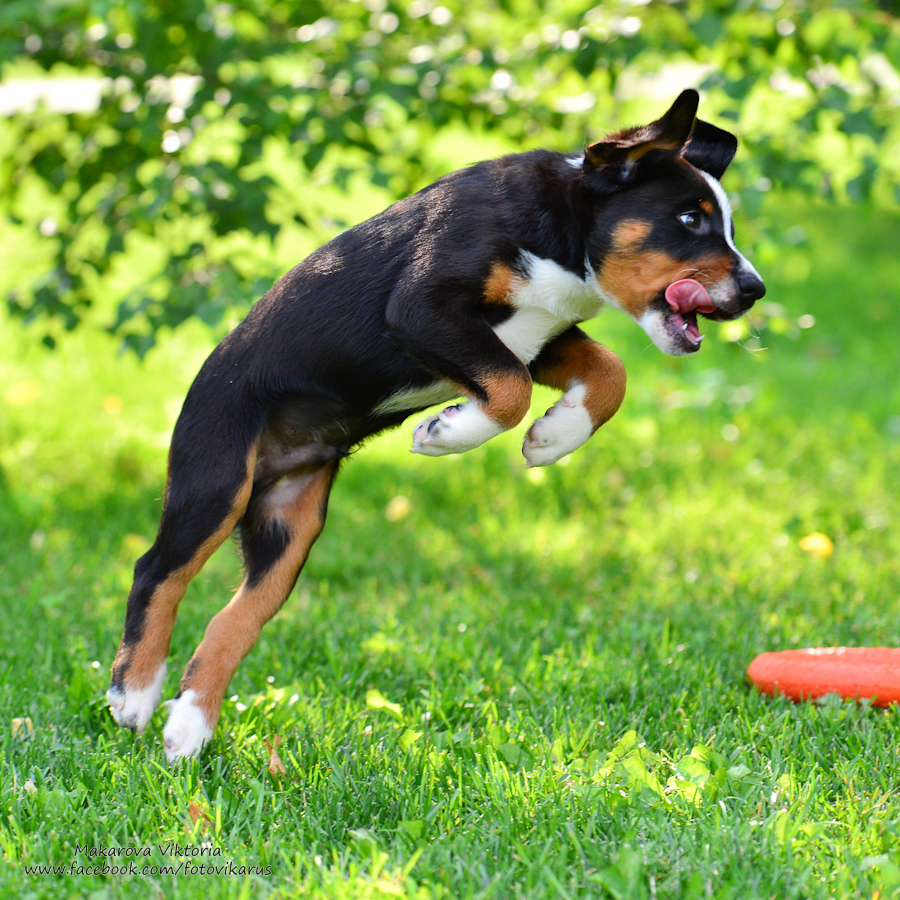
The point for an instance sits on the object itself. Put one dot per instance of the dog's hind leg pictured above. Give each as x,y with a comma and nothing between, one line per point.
210,482
281,523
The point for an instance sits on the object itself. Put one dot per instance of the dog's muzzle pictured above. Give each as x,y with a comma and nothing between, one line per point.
750,289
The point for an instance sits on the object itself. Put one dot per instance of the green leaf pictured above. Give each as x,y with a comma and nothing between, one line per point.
408,738
377,701
516,755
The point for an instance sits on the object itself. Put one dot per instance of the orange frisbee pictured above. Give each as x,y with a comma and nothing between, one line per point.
856,673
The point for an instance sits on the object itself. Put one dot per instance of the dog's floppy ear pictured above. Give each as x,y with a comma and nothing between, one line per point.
615,161
710,149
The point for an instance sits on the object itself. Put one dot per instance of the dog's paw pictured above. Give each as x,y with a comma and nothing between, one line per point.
562,429
134,708
187,728
454,430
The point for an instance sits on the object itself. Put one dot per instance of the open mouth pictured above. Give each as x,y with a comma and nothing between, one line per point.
686,298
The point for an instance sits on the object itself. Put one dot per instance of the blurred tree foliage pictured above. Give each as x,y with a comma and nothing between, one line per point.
197,97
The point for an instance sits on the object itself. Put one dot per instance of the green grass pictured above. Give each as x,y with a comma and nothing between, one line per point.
529,685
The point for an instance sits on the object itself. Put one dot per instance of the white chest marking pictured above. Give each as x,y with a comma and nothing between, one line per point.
547,301
528,330
549,286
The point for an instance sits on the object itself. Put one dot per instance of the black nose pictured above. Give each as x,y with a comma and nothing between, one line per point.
751,287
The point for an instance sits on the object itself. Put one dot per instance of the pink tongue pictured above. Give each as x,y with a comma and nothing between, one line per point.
687,295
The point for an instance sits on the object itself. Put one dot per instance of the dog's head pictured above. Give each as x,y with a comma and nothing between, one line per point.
662,241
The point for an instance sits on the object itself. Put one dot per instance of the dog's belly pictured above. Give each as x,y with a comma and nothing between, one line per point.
411,399
525,333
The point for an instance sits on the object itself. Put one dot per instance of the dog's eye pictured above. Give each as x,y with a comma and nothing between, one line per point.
692,219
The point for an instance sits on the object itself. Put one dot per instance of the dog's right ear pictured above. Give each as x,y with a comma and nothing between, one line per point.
617,160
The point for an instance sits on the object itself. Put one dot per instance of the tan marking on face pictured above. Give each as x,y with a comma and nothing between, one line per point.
630,234
579,360
707,207
234,630
144,658
500,285
509,396
712,268
635,278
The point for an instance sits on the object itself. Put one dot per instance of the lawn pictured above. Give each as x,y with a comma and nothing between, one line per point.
489,682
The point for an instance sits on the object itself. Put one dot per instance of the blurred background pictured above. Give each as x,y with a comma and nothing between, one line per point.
164,161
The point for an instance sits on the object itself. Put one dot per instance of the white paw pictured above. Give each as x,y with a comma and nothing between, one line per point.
562,429
454,430
187,728
134,708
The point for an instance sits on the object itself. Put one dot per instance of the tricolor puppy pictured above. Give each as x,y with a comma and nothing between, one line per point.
473,288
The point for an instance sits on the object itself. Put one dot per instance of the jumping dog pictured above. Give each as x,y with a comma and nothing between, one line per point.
472,288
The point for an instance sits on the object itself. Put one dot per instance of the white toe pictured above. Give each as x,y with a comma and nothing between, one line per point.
133,708
565,427
187,728
454,430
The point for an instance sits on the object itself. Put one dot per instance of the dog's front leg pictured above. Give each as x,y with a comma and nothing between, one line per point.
500,403
462,349
593,379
